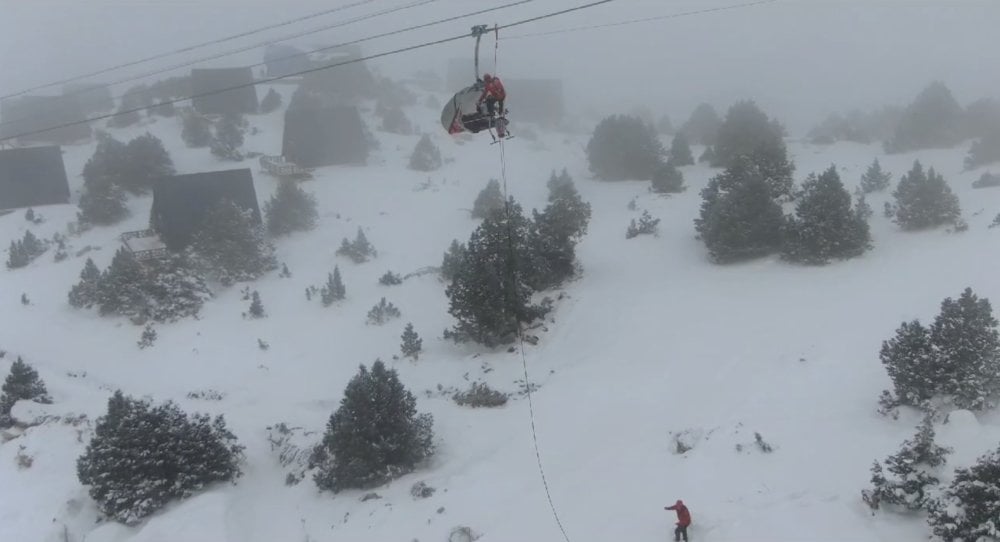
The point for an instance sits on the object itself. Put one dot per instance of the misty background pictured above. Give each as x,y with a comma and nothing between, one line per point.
800,60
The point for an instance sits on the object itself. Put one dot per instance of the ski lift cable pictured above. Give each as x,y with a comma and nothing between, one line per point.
189,48
512,254
321,49
642,20
310,70
264,43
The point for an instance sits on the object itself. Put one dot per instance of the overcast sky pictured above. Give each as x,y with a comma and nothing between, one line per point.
800,59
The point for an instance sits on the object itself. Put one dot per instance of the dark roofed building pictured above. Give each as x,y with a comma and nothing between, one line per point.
239,101
324,137
31,176
92,97
27,114
282,59
181,202
535,100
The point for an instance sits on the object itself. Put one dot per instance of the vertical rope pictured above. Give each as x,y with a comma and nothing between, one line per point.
520,333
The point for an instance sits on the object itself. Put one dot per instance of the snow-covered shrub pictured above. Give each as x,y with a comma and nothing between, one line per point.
382,312
874,179
334,289
824,226
647,225
375,435
969,507
411,342
748,134
624,147
426,155
25,250
924,200
390,279
912,469
231,246
22,383
141,457
290,209
360,250
489,200
480,394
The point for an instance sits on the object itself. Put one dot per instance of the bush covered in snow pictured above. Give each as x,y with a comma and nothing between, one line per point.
748,134
624,147
141,457
875,179
22,384
334,289
24,251
132,167
969,507
824,226
426,155
480,394
924,200
411,344
382,312
231,246
290,209
912,472
375,436
647,225
933,120
360,250
488,201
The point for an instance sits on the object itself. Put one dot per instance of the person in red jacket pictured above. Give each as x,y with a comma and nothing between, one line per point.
493,94
683,520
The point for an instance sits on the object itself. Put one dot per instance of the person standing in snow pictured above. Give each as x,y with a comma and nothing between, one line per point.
683,520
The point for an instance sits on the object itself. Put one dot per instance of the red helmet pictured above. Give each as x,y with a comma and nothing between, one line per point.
487,77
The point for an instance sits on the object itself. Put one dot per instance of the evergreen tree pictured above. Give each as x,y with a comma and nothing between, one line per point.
824,226
142,457
553,235
256,307
912,469
488,295
106,164
985,150
924,200
934,119
197,130
426,156
121,288
556,182
231,246
271,102
862,210
174,288
22,384
382,312
412,343
290,209
146,160
489,200
647,225
390,279
703,125
453,260
228,138
739,219
680,151
102,202
23,252
624,147
375,436
360,250
668,179
148,337
967,347
970,505
334,289
909,359
874,179
86,292
747,133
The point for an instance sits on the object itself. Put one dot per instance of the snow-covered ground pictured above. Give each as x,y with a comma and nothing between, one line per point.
651,343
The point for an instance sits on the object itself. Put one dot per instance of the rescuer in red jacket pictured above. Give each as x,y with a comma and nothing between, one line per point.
493,94
683,520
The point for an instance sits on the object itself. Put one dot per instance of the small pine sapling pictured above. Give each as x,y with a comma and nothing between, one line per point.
390,279
382,312
647,225
256,307
412,343
148,337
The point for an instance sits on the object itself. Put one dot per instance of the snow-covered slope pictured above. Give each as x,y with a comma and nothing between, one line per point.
651,343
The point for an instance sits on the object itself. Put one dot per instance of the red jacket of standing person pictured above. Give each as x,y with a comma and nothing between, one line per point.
683,516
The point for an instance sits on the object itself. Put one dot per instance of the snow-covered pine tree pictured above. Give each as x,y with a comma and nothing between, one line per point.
256,307
967,350
375,436
382,312
197,130
228,138
334,289
969,507
874,179
748,134
488,294
271,102
553,236
702,126
102,203
290,209
145,160
647,225
624,147
453,260
106,162
22,384
680,151
426,155
412,343
556,182
912,470
148,337
667,179
175,289
16,256
739,219
924,200
231,246
862,210
824,226
142,457
360,250
85,293
909,358
121,290
489,200
390,279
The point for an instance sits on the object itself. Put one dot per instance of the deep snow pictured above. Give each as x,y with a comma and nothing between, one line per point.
649,342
